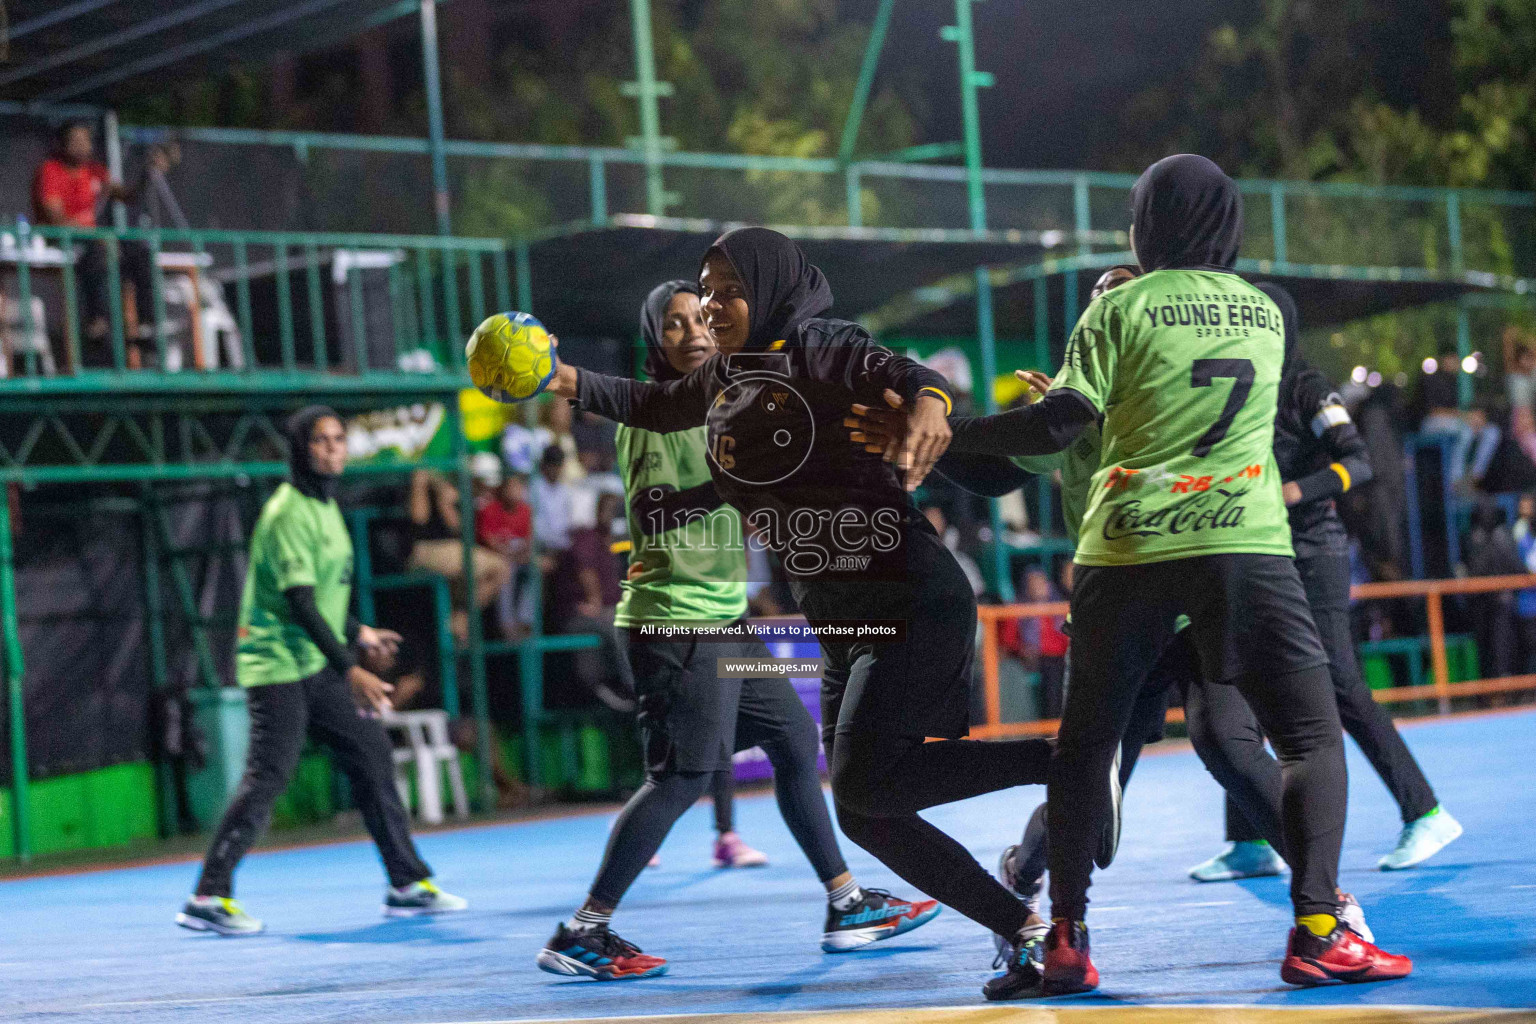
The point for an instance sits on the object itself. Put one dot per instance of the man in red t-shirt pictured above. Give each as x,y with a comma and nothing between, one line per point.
68,191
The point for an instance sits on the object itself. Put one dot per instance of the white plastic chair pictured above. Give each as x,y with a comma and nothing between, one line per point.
429,749
15,339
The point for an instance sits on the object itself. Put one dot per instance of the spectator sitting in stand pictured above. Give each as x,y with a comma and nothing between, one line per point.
1520,387
584,595
504,524
67,191
1045,642
553,503
1475,440
437,547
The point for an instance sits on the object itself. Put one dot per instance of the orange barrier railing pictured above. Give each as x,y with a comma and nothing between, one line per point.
1433,592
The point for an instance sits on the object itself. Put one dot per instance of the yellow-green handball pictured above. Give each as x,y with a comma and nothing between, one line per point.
510,358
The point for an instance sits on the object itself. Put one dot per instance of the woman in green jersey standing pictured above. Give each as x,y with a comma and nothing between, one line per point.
295,660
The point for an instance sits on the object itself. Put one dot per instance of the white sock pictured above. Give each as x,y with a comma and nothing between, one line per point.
845,895
585,920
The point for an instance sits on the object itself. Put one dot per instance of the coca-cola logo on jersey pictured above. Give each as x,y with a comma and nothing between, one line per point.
1215,509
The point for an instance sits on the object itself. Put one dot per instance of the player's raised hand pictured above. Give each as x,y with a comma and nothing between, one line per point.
563,383
1037,381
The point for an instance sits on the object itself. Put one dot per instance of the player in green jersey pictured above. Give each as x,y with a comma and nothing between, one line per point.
1221,726
1185,517
689,569
300,677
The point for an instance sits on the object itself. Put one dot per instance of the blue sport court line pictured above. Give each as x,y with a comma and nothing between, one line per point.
102,948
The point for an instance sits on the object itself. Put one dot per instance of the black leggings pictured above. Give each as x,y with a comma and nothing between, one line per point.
281,714
880,700
1326,581
1249,614
723,789
770,716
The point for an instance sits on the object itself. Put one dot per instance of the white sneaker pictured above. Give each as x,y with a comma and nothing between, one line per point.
217,914
423,897
1421,839
1240,860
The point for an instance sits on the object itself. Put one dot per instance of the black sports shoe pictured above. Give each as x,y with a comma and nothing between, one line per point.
1023,964
599,954
878,915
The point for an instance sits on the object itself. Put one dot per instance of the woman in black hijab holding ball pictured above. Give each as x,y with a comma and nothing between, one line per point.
857,550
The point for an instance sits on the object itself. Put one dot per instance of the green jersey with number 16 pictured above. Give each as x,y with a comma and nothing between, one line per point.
1185,367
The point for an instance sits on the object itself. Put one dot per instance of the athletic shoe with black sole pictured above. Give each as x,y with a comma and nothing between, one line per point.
877,916
1023,963
218,914
1068,968
1341,956
598,954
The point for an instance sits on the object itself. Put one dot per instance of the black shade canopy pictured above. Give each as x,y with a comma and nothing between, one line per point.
590,279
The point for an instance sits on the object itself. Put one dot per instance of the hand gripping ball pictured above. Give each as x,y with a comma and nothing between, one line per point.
510,358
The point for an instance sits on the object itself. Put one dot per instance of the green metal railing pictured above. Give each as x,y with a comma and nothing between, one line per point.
424,295
1439,231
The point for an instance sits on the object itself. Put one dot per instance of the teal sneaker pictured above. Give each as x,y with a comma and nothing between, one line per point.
217,914
1421,839
1255,859
423,897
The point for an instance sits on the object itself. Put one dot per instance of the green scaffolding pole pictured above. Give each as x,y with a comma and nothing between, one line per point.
479,697
866,80
434,80
647,90
1002,566
20,812
962,33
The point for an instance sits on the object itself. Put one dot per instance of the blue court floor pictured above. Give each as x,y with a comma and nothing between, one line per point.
102,948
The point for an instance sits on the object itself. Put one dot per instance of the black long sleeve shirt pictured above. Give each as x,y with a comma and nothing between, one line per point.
779,452
1318,448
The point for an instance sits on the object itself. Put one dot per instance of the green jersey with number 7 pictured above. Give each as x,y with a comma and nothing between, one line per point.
1184,365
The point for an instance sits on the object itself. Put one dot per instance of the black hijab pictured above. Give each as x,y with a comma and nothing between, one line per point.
1292,324
653,318
783,289
300,426
1188,216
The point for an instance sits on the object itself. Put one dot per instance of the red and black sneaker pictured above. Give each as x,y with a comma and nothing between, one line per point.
878,915
1067,967
599,954
1340,956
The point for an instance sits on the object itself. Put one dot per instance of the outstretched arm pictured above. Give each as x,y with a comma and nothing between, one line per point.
1050,425
663,408
990,476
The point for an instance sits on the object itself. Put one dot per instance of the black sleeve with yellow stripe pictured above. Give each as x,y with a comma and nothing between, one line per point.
1334,431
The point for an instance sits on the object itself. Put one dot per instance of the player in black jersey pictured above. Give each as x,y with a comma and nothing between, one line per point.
1320,456
855,546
